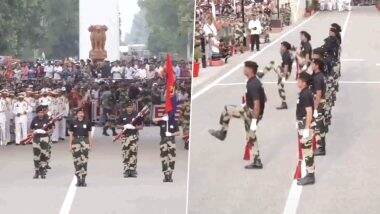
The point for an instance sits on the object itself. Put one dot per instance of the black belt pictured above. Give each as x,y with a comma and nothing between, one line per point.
41,135
80,136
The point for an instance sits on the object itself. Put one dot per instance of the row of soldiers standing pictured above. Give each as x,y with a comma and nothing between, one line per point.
318,72
317,80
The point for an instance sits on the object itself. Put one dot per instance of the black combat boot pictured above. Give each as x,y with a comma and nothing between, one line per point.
321,150
132,174
255,165
105,131
307,180
36,174
84,181
219,134
43,173
79,181
126,173
168,177
113,131
283,106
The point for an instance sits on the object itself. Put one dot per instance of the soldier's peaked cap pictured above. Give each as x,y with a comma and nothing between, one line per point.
39,108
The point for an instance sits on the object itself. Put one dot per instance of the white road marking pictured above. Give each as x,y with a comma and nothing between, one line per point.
293,198
234,69
296,191
294,82
69,198
377,64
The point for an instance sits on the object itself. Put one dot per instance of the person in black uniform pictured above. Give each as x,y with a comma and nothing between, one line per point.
283,72
168,130
129,144
304,116
304,53
80,142
41,137
318,88
251,112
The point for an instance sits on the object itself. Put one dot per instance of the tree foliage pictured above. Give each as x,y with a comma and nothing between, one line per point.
170,24
28,27
140,31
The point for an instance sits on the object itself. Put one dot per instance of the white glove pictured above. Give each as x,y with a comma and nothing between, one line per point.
253,126
305,133
315,114
304,68
168,134
129,126
39,131
165,118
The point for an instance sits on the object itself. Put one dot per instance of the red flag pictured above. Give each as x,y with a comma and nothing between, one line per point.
170,85
298,173
247,151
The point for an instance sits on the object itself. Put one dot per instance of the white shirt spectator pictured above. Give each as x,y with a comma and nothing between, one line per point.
150,74
141,73
210,29
49,71
255,27
116,72
18,73
128,73
177,70
57,72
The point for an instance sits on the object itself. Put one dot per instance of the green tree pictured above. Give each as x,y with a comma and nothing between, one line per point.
139,31
31,26
169,22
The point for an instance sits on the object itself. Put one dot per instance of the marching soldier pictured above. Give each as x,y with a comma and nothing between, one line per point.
185,122
20,109
304,54
304,116
80,142
168,131
251,113
129,145
283,72
41,137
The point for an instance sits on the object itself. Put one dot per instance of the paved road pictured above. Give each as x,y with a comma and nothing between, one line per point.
347,178
107,191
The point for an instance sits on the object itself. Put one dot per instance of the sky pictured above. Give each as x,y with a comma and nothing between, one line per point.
128,9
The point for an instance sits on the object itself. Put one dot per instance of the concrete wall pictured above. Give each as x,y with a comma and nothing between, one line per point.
99,12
